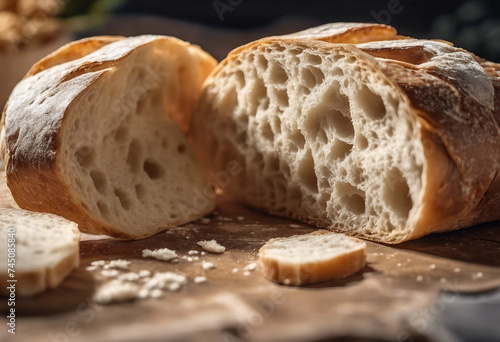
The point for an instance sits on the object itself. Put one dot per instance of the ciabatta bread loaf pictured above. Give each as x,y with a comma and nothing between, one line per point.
311,258
354,128
41,249
91,134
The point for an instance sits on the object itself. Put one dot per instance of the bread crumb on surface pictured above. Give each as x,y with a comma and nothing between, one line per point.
130,276
250,267
116,291
109,273
205,220
240,218
98,263
118,264
207,265
294,225
235,270
164,254
211,246
191,252
200,279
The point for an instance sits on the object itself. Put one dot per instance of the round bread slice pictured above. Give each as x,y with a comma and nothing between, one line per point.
94,134
46,250
311,258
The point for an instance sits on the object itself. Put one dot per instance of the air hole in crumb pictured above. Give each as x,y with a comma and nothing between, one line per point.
351,198
103,209
397,194
85,156
153,169
277,73
134,157
370,103
341,124
298,139
139,191
282,97
312,76
307,174
339,149
100,181
313,59
266,131
124,200
121,133
361,141
240,78
262,62
181,148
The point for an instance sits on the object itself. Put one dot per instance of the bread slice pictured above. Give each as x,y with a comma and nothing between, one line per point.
311,258
46,250
91,134
388,140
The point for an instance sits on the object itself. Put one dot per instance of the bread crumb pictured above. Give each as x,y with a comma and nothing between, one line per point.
226,219
203,253
207,265
200,279
420,278
109,273
240,218
246,273
250,267
116,291
98,263
144,273
211,246
174,286
90,268
432,266
294,225
478,275
442,280
143,293
456,270
287,282
235,270
193,252
399,264
164,254
156,293
166,280
130,276
118,264
205,220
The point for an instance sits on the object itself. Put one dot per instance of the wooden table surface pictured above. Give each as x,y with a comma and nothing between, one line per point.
393,297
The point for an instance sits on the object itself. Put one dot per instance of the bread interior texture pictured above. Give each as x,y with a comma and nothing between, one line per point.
315,132
123,155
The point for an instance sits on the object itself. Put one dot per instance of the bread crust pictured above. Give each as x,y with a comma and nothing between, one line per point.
455,99
31,160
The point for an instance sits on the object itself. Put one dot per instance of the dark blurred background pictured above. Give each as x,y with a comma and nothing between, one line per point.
220,25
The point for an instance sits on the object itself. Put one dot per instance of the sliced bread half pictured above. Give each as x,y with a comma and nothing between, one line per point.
311,258
92,134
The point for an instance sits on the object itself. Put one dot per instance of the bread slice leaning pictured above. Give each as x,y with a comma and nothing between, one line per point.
311,258
46,250
94,134
354,128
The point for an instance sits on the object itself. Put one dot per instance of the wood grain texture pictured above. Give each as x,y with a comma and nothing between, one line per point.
380,302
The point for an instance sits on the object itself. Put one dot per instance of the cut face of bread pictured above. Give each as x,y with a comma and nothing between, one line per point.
95,139
46,250
311,258
366,145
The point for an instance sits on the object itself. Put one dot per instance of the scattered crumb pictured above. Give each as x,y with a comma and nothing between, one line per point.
442,280
166,280
193,252
205,220
109,273
456,270
199,280
226,219
287,282
240,218
399,264
144,273
118,264
432,266
98,263
174,286
90,268
211,246
207,265
420,278
235,270
246,273
164,254
143,293
250,267
116,291
294,225
156,293
190,259
203,253
130,276
478,275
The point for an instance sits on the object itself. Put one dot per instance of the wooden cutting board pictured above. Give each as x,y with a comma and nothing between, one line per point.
392,298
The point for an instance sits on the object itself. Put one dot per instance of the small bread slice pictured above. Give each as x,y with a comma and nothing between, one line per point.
311,258
94,133
46,250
